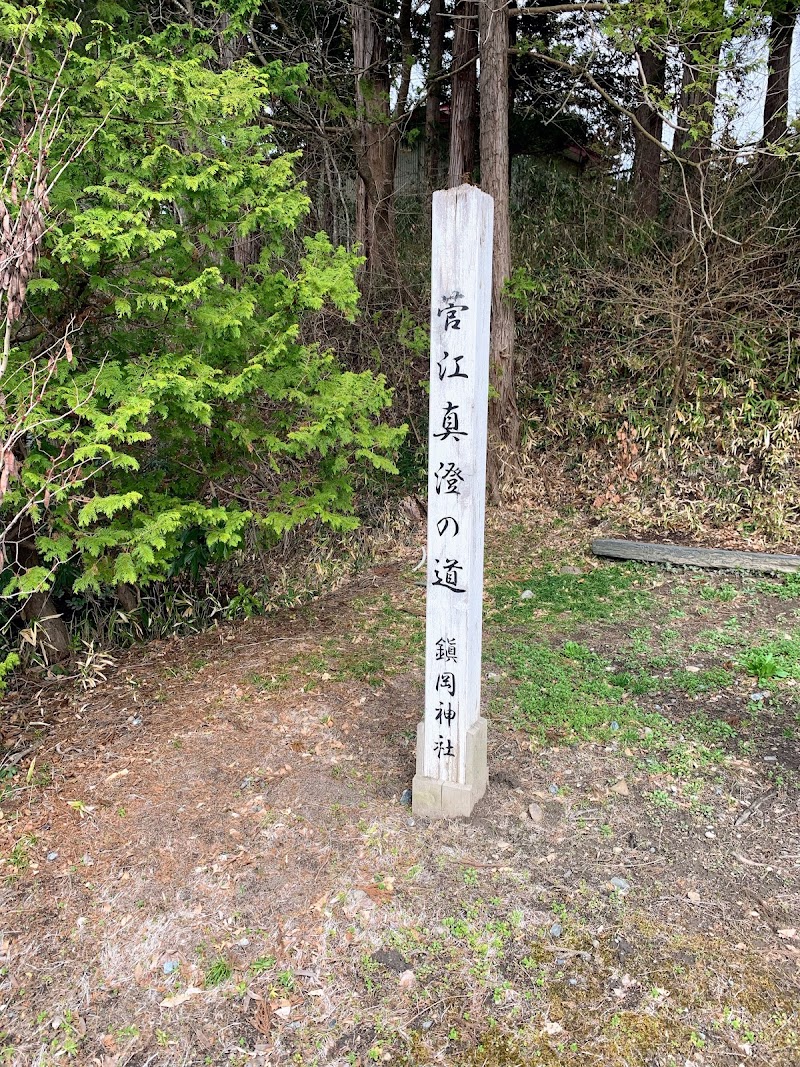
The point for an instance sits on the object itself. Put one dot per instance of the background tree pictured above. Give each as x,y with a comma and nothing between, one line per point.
503,415
783,16
463,93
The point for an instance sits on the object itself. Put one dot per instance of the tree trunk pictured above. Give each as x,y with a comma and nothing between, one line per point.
464,96
247,249
692,143
40,608
376,142
504,428
646,178
434,98
776,101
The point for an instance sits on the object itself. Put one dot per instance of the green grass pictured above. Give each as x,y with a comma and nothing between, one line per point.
729,635
217,972
571,694
566,693
268,683
7,775
608,592
724,593
788,589
707,681
262,965
776,657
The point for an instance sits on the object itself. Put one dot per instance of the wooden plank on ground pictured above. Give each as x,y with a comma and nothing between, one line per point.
765,562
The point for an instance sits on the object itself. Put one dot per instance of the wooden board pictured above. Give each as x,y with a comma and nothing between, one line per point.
765,562
461,274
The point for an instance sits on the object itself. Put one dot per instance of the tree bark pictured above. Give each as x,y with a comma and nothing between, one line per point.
376,141
246,250
463,96
434,98
504,427
40,608
776,101
692,143
646,177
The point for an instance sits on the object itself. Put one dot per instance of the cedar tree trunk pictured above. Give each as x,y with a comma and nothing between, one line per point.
40,608
376,141
434,98
646,177
504,428
692,142
776,101
463,95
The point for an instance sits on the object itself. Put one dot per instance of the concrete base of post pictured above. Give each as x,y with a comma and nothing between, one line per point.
434,798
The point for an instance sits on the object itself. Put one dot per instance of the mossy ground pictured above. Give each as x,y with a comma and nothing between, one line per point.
205,859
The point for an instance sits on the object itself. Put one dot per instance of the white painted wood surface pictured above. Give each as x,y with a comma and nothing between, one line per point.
461,275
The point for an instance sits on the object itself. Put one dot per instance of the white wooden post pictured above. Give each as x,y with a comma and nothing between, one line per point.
451,740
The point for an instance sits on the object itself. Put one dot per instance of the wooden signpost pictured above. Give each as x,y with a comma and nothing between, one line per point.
451,740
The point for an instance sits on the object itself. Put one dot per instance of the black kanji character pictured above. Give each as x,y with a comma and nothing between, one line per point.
449,577
449,477
450,424
456,372
446,649
444,524
446,683
445,714
444,748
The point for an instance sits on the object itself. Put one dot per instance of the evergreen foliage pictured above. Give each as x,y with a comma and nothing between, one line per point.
159,396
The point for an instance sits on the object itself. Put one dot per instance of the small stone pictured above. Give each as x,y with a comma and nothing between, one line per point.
621,788
526,594
571,570
553,789
405,798
536,813
52,856
615,725
355,901
556,930
620,884
770,759
710,835
170,966
407,980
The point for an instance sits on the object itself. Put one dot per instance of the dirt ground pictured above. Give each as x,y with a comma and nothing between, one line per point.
206,858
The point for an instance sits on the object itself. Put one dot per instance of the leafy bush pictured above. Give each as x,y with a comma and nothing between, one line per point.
158,397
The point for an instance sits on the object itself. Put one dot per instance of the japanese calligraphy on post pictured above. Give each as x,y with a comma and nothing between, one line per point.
451,741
